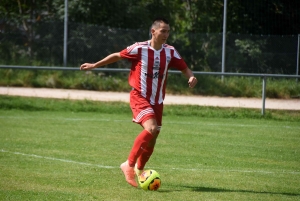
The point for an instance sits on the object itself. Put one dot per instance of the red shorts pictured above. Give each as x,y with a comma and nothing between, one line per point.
142,110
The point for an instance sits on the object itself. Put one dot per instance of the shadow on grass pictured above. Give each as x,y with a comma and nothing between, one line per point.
220,190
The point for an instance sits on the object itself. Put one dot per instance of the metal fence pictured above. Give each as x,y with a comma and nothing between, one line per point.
43,45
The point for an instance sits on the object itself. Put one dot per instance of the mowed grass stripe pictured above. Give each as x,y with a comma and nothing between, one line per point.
199,123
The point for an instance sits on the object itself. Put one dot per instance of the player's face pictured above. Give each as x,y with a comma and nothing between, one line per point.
161,33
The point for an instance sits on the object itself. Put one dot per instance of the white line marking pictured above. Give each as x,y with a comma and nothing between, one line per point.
182,169
58,159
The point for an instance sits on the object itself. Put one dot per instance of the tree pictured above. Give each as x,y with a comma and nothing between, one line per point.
35,27
17,20
276,17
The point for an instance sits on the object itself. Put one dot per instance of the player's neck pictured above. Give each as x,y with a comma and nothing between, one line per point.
155,45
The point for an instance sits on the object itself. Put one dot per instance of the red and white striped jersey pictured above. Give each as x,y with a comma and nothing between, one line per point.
149,69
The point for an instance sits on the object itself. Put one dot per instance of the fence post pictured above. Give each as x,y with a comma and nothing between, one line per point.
298,49
65,33
224,38
263,95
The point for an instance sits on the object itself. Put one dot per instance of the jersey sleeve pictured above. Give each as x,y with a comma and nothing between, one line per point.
130,52
177,62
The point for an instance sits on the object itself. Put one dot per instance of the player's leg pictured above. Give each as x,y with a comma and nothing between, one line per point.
144,157
140,143
147,152
142,112
143,139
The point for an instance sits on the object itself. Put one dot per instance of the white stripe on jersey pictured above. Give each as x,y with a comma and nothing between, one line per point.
144,70
176,54
155,81
133,49
168,54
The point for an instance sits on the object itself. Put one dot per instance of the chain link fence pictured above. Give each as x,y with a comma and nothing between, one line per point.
42,45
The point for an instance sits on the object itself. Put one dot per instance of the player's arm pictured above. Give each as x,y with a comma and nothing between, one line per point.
180,64
189,74
112,58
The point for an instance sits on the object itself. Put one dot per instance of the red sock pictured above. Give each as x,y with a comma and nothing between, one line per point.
140,143
144,157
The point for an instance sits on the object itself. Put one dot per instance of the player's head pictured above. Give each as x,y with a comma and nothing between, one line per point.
157,21
160,30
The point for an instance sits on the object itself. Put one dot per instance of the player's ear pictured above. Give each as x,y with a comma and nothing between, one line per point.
150,32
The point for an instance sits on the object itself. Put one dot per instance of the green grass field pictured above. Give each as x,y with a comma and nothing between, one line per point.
64,154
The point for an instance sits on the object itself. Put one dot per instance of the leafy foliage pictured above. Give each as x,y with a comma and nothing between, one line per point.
32,31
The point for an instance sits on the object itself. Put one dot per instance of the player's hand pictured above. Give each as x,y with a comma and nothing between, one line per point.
192,82
87,66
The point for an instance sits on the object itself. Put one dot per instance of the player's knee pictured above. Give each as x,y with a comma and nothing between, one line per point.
151,126
153,129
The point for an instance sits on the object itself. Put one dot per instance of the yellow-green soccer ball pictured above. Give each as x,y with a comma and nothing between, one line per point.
149,180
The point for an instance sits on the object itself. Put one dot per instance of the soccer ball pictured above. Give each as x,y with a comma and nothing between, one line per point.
149,180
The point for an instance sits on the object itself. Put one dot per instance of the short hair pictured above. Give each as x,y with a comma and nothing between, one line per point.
159,20
156,23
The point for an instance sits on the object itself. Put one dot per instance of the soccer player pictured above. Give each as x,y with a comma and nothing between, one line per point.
150,61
